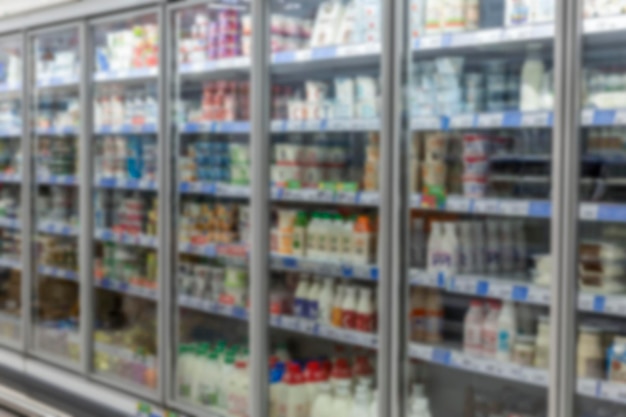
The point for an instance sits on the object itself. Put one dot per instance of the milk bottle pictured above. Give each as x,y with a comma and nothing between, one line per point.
490,331
449,249
348,309
325,303
300,307
342,403
362,400
507,331
294,401
337,314
312,237
478,237
299,234
313,300
239,391
276,388
466,252
365,311
494,248
323,401
434,316
434,243
532,80
472,328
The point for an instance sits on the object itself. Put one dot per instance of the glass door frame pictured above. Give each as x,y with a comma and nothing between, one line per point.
87,214
29,183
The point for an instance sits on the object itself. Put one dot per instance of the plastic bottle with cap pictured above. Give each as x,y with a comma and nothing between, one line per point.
276,388
337,312
311,237
313,299
294,401
362,401
507,331
434,244
238,392
494,248
323,401
299,234
489,333
301,302
340,372
365,311
325,302
348,308
363,241
343,402
420,408
472,328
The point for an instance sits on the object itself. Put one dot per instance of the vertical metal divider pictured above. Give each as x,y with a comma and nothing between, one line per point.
388,253
85,190
165,247
258,326
400,289
26,209
565,208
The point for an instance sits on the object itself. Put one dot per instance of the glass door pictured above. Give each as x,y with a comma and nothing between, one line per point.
210,159
325,106
124,141
55,119
478,168
11,131
601,259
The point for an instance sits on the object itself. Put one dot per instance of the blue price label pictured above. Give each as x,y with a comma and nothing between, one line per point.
482,288
290,262
519,293
374,273
347,271
599,303
441,356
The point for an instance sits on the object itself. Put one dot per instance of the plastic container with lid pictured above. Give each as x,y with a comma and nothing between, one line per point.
590,353
617,360
472,328
524,350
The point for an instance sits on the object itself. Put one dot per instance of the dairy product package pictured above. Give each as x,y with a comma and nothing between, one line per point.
453,15
542,11
518,12
417,18
434,16
344,97
346,33
366,97
329,15
491,13
367,19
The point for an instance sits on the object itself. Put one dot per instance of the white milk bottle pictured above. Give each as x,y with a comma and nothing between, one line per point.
519,246
532,79
276,388
294,402
472,328
314,377
311,237
374,406
239,391
325,303
466,251
420,408
434,315
345,252
490,331
434,244
348,309
337,312
228,365
507,331
207,390
183,374
300,304
418,314
450,249
362,401
365,311
494,253
323,401
313,299
300,234
342,403
334,237
478,237
507,246
323,238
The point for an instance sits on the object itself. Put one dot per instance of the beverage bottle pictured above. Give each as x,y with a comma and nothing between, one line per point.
362,401
300,234
323,235
342,403
340,372
313,298
348,309
334,237
490,331
494,253
507,331
478,239
239,390
337,314
300,307
420,408
276,388
311,237
450,249
418,314
532,79
472,328
362,371
363,244
325,303
227,368
183,371
519,246
282,353
434,316
434,244
466,251
507,246
374,406
294,401
365,311
323,401
314,376
345,247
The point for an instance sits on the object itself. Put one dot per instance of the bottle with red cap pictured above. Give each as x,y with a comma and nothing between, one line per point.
363,371
295,399
314,376
340,372
238,390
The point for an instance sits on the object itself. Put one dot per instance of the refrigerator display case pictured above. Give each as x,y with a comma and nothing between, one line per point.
477,166
210,159
597,260
324,110
125,139
11,129
55,117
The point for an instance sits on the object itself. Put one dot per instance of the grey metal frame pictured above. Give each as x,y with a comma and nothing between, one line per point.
259,273
565,208
88,229
30,226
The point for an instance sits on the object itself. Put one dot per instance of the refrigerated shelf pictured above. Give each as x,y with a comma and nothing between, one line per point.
126,129
126,184
10,133
126,288
57,228
11,263
11,178
138,239
8,223
69,180
59,273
